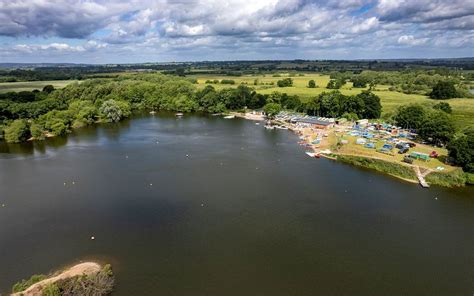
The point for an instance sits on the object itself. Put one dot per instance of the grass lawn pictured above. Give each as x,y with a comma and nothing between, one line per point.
352,148
32,85
463,109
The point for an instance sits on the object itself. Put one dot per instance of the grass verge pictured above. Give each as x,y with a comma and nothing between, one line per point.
390,168
455,178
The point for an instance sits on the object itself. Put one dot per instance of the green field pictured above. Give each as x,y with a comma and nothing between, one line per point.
463,109
32,85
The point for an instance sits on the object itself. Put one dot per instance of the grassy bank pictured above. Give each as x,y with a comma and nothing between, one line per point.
390,168
455,178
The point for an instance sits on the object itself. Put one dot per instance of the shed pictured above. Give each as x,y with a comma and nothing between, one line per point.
419,155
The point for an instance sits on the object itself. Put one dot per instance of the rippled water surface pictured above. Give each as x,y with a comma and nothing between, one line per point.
208,206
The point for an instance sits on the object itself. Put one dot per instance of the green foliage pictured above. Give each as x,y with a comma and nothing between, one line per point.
18,131
227,81
57,122
272,109
432,125
437,127
114,110
37,131
359,82
286,82
335,83
97,284
48,88
445,107
335,104
51,290
311,84
410,116
25,284
444,90
372,105
350,116
461,150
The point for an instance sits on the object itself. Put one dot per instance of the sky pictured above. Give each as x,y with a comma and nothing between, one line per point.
135,31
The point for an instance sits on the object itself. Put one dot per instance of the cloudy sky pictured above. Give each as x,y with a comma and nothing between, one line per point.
128,31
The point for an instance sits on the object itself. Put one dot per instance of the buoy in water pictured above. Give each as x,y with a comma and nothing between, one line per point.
151,184
73,182
202,205
3,205
92,237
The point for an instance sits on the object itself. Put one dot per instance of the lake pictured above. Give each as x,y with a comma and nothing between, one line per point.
207,206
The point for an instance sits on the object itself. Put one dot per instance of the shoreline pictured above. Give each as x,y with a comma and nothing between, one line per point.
85,268
380,165
322,150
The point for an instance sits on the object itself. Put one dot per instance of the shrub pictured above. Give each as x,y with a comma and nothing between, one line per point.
18,131
51,290
285,82
97,284
25,284
444,90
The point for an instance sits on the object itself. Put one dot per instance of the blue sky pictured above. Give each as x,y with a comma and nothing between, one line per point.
119,31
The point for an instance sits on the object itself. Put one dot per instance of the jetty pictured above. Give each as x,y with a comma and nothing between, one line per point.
421,176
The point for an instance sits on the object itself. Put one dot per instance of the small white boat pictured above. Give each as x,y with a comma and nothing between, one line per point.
257,123
229,117
179,114
310,154
269,127
152,112
281,127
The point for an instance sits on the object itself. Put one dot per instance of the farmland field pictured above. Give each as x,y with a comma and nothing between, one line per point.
32,85
463,108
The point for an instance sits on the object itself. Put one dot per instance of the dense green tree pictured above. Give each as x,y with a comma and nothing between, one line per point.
286,82
437,127
372,106
48,88
37,131
18,131
359,82
461,150
115,110
335,83
311,84
410,116
272,109
444,90
445,107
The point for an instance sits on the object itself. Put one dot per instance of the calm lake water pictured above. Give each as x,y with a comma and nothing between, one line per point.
208,206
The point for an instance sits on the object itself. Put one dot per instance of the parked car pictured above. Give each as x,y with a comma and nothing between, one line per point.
403,150
408,159
411,144
434,154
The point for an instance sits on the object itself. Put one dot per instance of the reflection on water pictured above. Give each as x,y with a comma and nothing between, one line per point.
207,206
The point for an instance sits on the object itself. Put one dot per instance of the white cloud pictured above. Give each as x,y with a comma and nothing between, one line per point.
411,40
204,28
